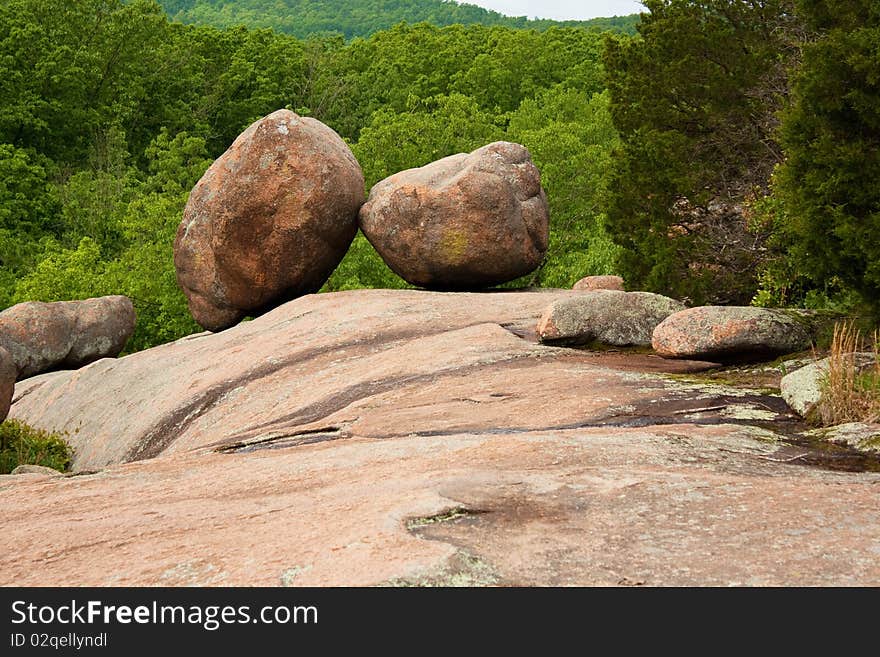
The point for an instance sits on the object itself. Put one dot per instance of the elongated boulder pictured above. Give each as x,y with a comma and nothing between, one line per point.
8,374
802,388
65,334
467,221
611,317
732,333
29,469
599,283
269,221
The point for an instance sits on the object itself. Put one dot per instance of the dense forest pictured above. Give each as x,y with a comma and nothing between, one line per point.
728,152
352,18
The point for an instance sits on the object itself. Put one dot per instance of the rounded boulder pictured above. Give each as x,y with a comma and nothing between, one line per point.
269,221
65,334
732,333
610,317
468,221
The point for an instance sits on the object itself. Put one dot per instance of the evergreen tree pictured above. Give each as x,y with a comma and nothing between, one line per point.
827,193
695,100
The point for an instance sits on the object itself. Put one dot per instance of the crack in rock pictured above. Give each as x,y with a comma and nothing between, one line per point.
284,440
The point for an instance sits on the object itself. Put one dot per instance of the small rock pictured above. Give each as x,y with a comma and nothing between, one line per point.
36,469
8,374
611,317
269,221
467,221
861,436
599,283
65,334
732,333
802,388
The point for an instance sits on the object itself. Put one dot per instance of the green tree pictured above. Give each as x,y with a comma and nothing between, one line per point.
65,274
695,99
826,193
29,207
70,67
571,138
432,129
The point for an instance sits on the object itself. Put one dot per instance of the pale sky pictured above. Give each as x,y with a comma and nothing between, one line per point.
561,9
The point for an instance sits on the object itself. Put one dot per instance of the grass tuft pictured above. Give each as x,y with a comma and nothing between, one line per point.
851,390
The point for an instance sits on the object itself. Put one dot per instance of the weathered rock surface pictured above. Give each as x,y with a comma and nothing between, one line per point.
8,374
861,436
324,442
269,220
802,388
599,283
65,334
732,333
621,319
467,221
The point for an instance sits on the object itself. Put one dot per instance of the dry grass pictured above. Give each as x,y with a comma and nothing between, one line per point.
851,391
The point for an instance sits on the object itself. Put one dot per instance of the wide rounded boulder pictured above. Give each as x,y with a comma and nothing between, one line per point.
610,317
8,374
269,221
467,221
733,333
65,334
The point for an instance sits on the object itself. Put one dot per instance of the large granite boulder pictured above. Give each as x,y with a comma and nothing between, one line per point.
65,334
269,220
733,333
467,221
8,374
611,317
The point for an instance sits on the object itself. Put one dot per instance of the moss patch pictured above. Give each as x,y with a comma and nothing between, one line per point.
462,570
453,246
757,383
760,377
446,516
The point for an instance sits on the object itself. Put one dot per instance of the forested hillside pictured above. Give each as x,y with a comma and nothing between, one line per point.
727,152
360,17
112,113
